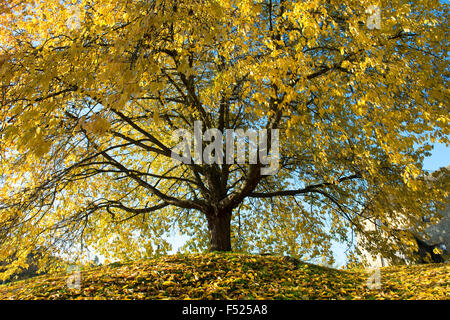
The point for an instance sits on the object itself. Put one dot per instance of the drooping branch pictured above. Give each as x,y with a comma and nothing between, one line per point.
310,188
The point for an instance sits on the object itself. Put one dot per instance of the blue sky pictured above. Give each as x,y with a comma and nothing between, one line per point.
440,158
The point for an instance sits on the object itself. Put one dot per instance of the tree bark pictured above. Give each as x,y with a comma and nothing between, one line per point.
219,226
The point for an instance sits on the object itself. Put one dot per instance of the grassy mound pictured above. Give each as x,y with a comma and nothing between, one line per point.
234,276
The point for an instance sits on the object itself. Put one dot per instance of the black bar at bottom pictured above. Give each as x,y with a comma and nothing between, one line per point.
221,309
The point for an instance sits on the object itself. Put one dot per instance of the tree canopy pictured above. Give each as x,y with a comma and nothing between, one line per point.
92,90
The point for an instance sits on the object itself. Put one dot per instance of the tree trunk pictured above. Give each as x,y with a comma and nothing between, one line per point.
219,231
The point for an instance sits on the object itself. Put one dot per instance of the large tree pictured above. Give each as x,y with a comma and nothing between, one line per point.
92,90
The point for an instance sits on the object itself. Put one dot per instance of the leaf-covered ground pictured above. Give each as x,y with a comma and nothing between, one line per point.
234,276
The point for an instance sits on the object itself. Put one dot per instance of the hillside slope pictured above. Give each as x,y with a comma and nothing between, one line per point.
234,276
